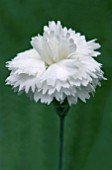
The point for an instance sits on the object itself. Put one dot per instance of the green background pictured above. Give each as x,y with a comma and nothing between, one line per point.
28,131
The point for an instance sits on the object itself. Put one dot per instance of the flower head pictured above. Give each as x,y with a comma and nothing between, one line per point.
60,65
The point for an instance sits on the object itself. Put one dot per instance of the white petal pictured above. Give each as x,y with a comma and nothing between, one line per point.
22,81
27,62
60,71
40,43
44,98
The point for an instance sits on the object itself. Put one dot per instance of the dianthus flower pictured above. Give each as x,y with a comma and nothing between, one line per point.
59,66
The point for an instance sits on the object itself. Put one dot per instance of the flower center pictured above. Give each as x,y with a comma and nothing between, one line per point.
54,48
60,48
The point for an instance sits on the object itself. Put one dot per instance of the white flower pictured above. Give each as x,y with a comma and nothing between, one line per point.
60,65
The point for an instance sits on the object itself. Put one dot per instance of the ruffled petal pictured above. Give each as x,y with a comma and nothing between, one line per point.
60,71
22,82
25,70
28,62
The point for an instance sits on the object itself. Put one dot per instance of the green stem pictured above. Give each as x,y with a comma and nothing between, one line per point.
61,137
61,110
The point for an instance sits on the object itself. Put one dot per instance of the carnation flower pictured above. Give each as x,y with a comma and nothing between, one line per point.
59,66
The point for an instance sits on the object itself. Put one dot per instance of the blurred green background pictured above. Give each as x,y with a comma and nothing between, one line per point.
29,131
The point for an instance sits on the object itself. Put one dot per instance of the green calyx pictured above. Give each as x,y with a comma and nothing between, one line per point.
61,108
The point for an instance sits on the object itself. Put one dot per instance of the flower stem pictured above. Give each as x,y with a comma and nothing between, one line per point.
61,138
61,110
